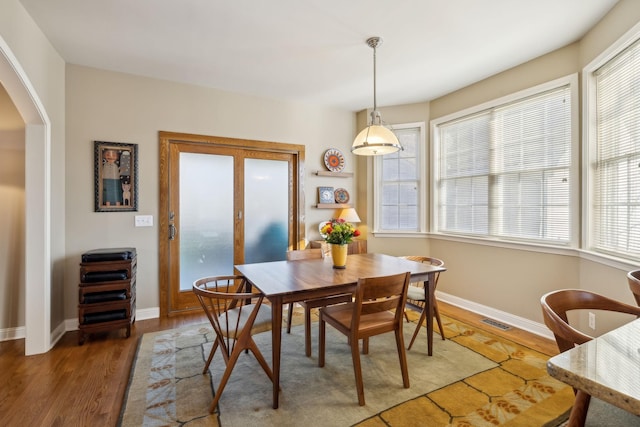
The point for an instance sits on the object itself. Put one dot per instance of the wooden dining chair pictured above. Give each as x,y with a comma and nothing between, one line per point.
236,314
377,309
308,305
633,277
555,306
416,297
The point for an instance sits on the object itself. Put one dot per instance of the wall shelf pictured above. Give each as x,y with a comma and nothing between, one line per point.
334,174
333,205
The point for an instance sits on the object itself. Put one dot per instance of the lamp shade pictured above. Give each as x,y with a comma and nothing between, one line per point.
375,140
349,215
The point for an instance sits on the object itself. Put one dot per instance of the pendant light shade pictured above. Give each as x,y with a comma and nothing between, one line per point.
376,139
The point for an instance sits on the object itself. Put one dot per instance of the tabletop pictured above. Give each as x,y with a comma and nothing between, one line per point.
284,277
607,367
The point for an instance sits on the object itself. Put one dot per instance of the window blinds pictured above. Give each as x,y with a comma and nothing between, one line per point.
504,172
616,169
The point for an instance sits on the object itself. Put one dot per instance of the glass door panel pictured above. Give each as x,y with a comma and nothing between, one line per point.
206,216
266,205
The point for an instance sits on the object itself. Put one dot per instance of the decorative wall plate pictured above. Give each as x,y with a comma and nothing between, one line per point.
334,160
341,195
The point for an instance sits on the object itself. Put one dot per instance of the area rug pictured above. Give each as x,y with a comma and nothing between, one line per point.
473,379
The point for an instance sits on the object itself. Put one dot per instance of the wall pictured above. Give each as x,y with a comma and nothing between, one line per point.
509,278
109,106
40,100
12,286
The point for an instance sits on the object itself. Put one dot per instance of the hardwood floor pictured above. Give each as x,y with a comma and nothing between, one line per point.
84,385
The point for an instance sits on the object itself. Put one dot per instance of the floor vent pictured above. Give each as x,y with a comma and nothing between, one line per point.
496,324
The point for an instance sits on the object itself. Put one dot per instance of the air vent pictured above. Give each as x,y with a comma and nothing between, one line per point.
496,324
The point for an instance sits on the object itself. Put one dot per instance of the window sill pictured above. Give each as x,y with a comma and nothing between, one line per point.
402,234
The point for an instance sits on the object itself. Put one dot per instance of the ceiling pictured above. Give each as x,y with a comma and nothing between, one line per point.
314,51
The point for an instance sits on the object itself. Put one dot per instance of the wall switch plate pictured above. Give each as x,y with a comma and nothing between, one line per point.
144,220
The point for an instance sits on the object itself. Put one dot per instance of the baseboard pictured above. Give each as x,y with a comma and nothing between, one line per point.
503,317
9,334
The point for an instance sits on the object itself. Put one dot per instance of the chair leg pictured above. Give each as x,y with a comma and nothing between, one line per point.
406,316
321,334
243,344
579,411
210,358
260,358
307,331
403,358
289,317
423,317
357,369
225,377
436,312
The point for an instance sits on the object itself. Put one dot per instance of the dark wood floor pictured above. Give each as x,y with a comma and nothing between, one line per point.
84,385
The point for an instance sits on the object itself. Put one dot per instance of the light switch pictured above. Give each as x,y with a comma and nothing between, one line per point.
144,220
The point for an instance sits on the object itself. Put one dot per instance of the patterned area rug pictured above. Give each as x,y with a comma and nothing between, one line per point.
473,379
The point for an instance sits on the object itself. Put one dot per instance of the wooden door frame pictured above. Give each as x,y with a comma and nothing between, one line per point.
166,139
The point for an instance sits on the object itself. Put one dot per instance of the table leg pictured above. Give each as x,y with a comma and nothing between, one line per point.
276,342
431,289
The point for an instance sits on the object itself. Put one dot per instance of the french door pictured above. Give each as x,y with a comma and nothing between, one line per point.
223,202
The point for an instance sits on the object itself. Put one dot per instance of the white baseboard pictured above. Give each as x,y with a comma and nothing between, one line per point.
483,310
9,334
501,316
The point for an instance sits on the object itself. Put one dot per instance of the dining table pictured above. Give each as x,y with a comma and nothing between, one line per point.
607,368
283,282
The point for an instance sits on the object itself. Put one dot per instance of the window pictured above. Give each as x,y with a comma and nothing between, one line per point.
399,191
502,170
614,154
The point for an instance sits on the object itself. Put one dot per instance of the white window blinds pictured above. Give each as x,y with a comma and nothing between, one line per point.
504,172
616,168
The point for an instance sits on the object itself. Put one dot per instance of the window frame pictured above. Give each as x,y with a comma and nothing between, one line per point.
423,187
589,144
574,173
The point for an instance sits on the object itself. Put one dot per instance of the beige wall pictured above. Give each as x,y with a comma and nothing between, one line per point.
116,107
512,279
108,106
12,236
44,70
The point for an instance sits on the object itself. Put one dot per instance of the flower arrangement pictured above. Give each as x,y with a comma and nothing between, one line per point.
339,232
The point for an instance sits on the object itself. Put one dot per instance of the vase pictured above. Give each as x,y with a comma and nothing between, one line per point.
339,255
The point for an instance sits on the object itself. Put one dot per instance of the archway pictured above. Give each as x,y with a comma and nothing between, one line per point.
37,201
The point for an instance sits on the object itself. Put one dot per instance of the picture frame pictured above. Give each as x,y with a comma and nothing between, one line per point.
115,176
325,195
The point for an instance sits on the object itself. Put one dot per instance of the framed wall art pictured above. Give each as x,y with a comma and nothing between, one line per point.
115,176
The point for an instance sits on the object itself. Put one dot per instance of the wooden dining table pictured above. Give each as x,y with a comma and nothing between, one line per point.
607,367
283,282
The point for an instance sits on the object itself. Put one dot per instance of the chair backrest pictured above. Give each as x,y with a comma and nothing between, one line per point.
556,304
634,284
295,255
427,260
378,294
230,306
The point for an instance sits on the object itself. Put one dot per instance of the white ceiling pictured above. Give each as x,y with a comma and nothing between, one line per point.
314,51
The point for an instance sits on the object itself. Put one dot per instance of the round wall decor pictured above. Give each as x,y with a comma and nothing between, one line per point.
334,160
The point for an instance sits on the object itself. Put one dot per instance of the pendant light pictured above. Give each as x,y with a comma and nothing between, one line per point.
376,139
